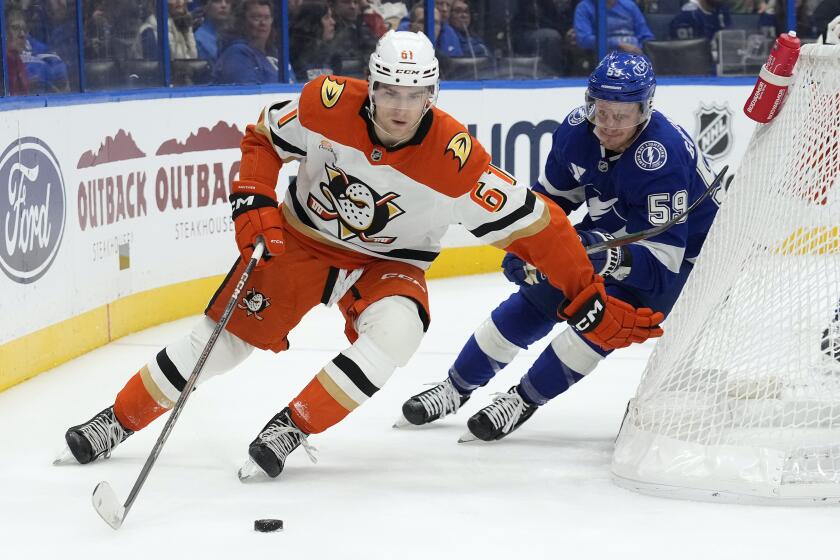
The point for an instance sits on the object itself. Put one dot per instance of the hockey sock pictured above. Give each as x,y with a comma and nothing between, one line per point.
515,324
320,405
135,407
565,362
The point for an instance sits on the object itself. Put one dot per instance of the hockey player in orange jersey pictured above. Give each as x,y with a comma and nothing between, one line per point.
383,173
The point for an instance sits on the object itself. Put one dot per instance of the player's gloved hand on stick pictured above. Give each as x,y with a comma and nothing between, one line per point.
609,322
255,213
520,272
611,262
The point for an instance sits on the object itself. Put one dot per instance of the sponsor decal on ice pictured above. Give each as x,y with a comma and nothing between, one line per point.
32,209
714,130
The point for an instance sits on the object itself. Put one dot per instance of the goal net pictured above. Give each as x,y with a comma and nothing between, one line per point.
741,398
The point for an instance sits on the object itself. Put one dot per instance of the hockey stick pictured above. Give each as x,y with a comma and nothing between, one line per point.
645,234
105,501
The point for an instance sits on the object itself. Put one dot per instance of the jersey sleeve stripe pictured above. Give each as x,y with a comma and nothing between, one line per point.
576,195
510,219
532,229
285,146
286,118
669,255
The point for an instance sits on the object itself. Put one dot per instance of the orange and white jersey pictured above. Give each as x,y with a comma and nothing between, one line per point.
352,194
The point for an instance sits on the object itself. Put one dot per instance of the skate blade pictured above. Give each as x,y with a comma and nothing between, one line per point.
107,505
401,422
250,472
64,458
467,437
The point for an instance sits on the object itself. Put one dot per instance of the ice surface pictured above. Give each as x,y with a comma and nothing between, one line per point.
376,492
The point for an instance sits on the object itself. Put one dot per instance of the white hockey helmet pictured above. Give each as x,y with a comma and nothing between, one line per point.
404,58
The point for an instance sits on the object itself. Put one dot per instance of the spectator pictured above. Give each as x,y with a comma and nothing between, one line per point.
460,19
126,17
824,13
353,37
627,29
311,42
97,29
15,44
250,58
181,38
392,12
45,71
773,18
217,20
53,23
446,40
538,29
700,18
372,18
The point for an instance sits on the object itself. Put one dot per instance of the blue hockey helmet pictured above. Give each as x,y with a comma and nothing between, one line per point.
621,78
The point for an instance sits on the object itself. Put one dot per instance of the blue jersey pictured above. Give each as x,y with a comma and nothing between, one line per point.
653,180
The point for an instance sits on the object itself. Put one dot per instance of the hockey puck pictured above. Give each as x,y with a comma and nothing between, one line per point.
268,525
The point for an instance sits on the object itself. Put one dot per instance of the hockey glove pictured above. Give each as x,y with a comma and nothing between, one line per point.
613,262
256,215
607,321
520,272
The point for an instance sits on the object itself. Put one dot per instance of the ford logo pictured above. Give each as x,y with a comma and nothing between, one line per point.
32,209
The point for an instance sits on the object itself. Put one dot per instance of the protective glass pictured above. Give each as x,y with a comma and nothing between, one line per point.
616,114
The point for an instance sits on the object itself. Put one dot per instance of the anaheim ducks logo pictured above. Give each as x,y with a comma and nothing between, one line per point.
460,146
331,90
359,210
254,303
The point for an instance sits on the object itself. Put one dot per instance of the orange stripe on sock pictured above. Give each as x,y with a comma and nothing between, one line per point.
134,407
314,409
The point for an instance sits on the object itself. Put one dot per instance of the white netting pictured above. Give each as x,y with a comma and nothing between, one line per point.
741,398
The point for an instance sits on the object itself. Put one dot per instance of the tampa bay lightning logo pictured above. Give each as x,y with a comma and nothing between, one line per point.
651,155
577,116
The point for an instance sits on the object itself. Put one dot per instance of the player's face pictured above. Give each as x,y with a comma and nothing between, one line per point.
398,108
615,123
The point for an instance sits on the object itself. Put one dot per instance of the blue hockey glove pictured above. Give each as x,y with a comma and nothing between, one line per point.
519,272
613,262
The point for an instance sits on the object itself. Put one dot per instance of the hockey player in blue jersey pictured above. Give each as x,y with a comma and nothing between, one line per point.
634,169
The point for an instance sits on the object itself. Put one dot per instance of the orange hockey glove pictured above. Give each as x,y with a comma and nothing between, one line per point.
256,214
609,322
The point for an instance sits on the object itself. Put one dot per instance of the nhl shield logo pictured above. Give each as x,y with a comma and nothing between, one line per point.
714,130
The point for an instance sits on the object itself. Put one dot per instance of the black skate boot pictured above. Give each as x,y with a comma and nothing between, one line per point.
433,404
507,412
96,438
273,444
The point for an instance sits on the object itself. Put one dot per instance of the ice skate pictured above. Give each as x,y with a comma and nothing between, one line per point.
506,413
93,439
268,452
432,404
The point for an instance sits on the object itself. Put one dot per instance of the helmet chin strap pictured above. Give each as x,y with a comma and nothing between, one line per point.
370,110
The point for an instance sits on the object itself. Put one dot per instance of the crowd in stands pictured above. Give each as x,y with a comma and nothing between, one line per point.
239,41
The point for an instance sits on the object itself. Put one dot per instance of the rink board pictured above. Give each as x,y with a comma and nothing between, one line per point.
115,215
